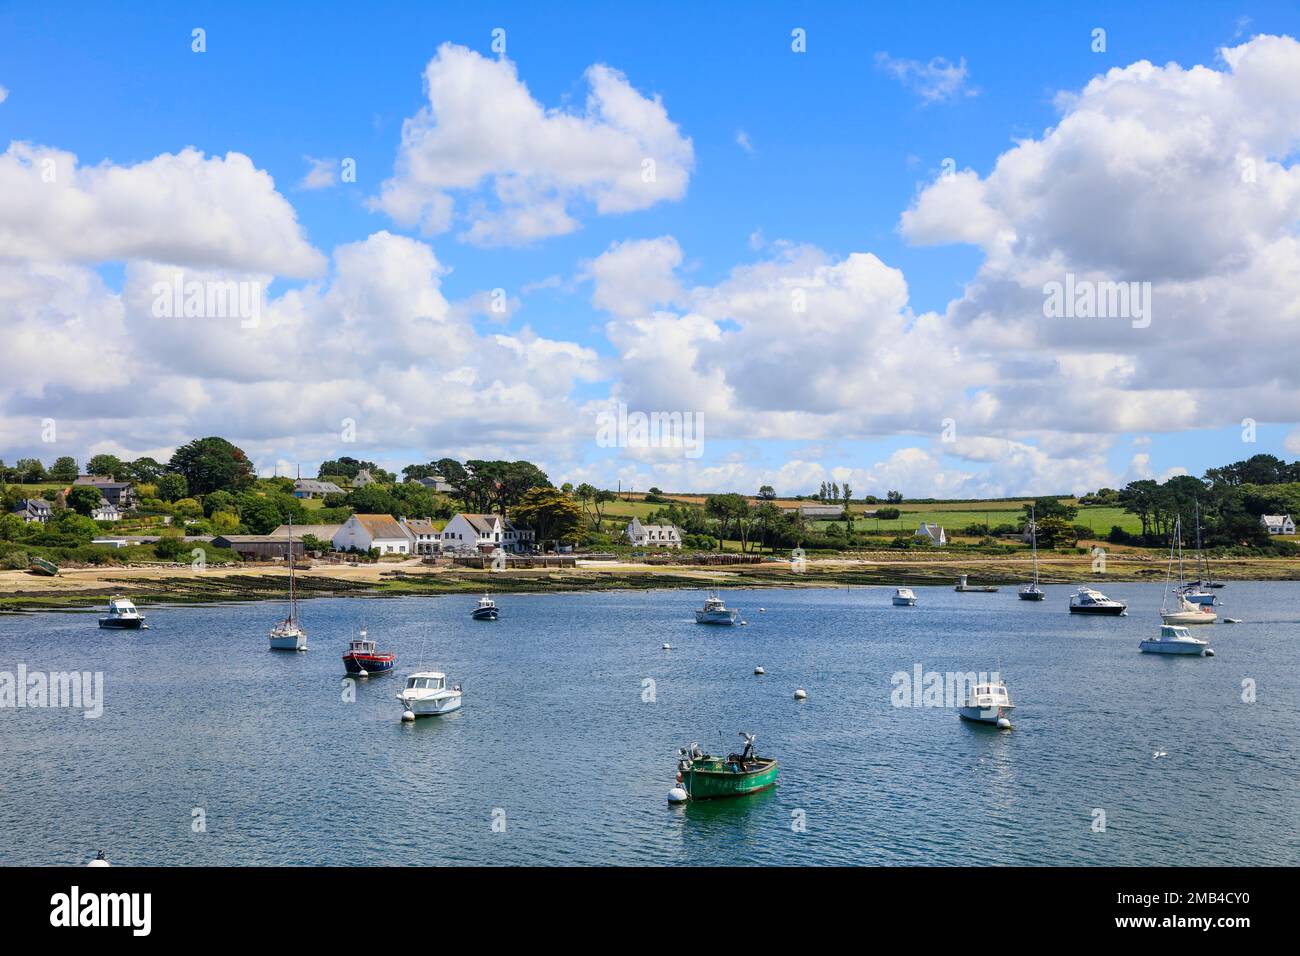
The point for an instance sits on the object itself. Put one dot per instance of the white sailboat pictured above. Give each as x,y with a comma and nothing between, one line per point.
1032,592
1198,591
288,635
1184,611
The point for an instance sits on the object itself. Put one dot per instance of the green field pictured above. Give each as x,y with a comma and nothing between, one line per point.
953,516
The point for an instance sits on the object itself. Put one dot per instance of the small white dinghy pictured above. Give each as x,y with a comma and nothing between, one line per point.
903,597
1174,639
988,703
426,694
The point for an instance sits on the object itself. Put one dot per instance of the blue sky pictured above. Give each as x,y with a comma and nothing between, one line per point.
838,149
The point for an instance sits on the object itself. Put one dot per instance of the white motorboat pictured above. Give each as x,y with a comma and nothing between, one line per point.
122,615
1185,611
288,635
1089,601
426,694
903,597
1031,591
988,704
715,611
1176,640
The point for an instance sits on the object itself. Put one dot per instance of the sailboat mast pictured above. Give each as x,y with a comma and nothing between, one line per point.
1033,538
293,594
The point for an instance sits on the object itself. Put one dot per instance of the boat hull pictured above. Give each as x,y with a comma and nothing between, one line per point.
1172,647
705,783
1202,599
1188,617
484,614
1104,611
1033,595
370,663
289,642
121,624
716,617
432,708
904,602
986,715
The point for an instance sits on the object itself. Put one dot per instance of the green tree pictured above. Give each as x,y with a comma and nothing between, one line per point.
64,469
212,464
83,499
172,487
553,515
109,465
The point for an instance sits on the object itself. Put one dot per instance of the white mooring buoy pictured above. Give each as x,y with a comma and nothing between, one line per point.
668,647
363,673
677,795
1004,724
762,610
99,860
759,670
408,715
800,694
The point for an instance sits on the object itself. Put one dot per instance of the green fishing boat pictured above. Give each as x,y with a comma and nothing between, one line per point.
41,566
703,777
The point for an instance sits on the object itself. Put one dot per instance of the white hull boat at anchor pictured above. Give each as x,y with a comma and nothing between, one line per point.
288,635
426,694
715,611
1176,640
122,616
1088,601
1184,611
904,597
988,704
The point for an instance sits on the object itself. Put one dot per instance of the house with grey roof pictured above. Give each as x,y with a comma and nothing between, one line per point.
311,488
34,509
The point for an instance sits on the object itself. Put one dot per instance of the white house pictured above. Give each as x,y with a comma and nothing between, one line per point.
1278,524
363,532
104,511
363,478
467,532
34,509
424,537
310,488
931,534
653,535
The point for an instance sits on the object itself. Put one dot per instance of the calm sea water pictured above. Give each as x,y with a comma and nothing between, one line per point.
557,746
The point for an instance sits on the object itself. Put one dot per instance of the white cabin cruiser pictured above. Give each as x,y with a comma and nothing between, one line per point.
904,597
122,615
426,694
1176,640
988,703
1088,601
715,611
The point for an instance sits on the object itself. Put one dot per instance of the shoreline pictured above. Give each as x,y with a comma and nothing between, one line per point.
80,588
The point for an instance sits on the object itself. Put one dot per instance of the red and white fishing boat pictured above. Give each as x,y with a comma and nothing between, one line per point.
363,659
